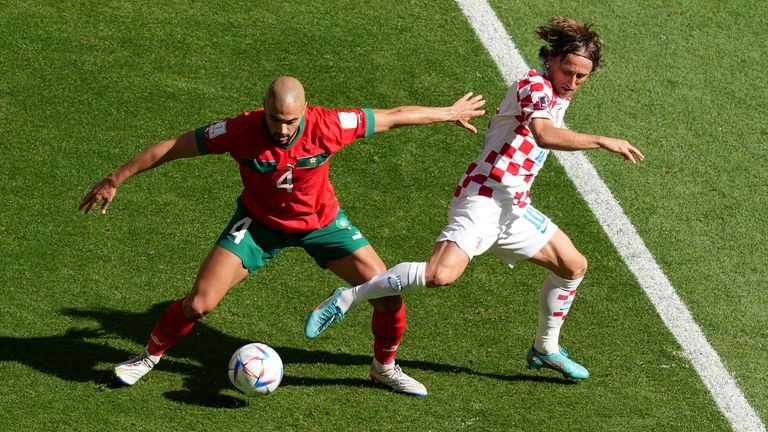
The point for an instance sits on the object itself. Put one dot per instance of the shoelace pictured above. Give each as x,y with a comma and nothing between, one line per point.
393,373
143,360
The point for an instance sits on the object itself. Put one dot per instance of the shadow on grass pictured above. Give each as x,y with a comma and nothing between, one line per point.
73,356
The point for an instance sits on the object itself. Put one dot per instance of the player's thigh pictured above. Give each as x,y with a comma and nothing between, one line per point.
473,226
561,257
244,246
343,249
359,266
526,231
253,243
220,271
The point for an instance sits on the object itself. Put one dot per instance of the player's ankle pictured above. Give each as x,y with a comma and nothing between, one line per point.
347,300
381,367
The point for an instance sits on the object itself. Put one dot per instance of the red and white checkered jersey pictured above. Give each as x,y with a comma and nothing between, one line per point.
510,160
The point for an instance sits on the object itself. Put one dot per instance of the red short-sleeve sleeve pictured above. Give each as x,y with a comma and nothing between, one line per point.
345,125
221,137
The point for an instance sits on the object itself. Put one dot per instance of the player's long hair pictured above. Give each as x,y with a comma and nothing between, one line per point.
567,36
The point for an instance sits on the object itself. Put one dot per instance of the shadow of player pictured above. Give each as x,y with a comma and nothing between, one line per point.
84,355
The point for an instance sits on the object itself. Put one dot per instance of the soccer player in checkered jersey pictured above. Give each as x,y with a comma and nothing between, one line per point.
283,151
491,209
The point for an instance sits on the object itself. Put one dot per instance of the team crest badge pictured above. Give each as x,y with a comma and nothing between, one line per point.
343,224
313,162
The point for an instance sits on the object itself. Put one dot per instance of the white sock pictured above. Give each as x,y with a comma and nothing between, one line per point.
555,299
399,279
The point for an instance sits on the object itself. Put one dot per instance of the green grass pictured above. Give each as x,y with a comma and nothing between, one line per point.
85,86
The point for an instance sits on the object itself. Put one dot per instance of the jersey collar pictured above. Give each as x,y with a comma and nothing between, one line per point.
298,134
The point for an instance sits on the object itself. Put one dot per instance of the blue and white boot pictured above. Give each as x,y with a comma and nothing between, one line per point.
325,314
559,361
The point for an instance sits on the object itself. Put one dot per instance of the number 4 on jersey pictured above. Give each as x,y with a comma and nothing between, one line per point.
286,181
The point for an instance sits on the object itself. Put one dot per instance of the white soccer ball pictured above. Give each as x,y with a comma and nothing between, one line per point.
255,369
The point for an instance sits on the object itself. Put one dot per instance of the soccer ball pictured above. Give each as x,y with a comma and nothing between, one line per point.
255,369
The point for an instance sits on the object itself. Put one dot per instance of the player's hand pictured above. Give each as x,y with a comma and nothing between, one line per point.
102,192
624,148
465,109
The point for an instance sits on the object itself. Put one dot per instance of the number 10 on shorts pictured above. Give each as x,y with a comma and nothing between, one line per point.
537,218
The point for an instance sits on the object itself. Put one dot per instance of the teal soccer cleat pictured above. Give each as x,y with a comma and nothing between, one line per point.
559,361
325,314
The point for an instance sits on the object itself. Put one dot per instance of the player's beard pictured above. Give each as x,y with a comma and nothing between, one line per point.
282,139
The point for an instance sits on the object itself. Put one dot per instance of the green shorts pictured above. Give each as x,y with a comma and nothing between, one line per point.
257,244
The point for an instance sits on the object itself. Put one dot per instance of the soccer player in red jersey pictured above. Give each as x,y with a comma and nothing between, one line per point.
491,210
283,151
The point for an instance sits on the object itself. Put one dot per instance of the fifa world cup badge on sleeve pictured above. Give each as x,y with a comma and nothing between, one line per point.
215,130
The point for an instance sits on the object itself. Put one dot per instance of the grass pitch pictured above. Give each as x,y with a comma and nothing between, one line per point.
87,85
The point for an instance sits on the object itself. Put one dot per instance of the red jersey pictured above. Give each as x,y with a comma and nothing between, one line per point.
287,187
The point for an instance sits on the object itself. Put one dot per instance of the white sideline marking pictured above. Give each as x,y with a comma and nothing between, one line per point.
622,233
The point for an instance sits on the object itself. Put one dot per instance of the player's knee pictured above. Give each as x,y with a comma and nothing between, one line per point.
441,275
196,307
577,267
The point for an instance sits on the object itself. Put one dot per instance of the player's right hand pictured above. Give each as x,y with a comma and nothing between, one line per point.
102,192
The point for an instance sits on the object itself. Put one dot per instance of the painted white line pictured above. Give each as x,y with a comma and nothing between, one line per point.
721,384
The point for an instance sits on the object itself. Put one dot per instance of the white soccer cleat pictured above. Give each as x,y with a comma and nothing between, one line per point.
129,371
398,381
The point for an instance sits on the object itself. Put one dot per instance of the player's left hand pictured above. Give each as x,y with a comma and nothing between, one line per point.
465,109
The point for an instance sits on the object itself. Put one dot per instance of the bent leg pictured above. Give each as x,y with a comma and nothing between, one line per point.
388,321
220,271
561,257
446,265
567,266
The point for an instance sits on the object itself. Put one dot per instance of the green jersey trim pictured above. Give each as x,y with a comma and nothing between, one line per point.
313,161
260,166
264,167
200,140
370,122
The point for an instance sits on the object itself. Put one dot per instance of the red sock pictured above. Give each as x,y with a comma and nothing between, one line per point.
388,330
169,328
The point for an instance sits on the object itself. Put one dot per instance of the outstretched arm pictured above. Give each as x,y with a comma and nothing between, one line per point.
552,137
155,155
461,112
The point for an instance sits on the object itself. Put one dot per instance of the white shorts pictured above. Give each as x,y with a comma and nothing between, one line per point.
478,224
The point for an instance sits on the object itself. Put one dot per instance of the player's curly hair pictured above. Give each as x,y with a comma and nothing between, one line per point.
567,36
